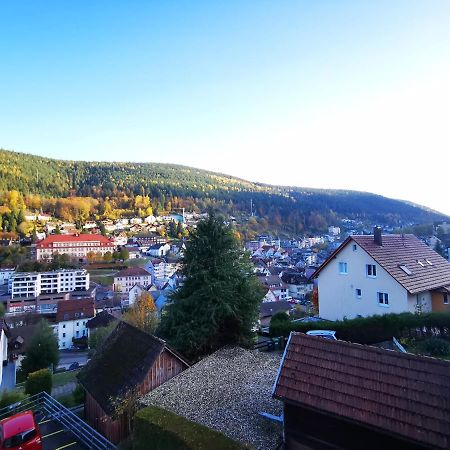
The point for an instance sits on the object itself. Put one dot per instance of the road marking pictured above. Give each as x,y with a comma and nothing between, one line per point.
51,434
67,445
44,421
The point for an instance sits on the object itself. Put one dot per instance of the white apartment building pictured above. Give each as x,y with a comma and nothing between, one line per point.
71,321
32,284
163,270
127,278
6,274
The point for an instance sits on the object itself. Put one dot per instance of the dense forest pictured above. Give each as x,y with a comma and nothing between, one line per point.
77,190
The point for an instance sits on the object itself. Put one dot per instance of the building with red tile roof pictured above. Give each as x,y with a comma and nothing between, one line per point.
382,274
348,396
76,246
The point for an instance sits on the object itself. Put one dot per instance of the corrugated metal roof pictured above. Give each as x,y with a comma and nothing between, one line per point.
400,393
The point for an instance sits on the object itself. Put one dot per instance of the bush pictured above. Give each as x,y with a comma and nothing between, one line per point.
368,330
39,381
79,395
279,317
167,431
434,346
9,397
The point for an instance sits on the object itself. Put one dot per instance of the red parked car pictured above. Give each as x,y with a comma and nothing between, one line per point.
20,432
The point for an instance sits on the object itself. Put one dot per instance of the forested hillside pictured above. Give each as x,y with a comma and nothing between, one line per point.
113,189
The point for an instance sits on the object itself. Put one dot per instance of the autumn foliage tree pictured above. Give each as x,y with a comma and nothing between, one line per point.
143,313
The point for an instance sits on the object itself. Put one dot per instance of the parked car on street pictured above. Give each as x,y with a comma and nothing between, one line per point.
20,432
327,334
74,365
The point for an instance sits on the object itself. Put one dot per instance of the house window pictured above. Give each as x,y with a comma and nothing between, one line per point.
358,293
78,324
78,333
371,270
63,344
383,299
343,269
354,247
445,299
64,326
64,335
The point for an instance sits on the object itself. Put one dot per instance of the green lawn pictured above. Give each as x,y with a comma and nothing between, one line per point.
64,377
139,262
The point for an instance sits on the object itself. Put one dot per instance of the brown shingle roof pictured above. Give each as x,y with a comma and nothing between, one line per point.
403,250
399,393
75,309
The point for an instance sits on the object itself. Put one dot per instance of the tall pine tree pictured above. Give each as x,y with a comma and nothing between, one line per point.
218,302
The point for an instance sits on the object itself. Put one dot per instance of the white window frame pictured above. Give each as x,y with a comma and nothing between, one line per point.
343,265
373,269
384,297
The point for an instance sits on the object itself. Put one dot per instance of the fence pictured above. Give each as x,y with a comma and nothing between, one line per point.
51,409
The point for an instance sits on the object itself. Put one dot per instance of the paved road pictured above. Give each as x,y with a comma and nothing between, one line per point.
67,358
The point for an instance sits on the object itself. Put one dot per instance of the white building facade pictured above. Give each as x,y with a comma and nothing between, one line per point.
32,284
394,274
75,246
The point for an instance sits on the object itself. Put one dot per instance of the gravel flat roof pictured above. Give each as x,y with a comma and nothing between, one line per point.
226,391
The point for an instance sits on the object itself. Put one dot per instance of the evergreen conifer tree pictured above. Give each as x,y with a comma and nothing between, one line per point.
218,303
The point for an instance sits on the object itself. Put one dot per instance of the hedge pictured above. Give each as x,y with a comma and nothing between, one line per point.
39,381
9,397
368,330
163,430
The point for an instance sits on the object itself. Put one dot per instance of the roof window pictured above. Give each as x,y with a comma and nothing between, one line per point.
405,269
429,262
420,263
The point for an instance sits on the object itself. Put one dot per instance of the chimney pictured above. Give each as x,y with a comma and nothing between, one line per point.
377,236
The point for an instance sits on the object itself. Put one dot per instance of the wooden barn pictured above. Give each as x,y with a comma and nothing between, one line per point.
129,364
339,395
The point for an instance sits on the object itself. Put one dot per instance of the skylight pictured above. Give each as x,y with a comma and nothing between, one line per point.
420,263
429,262
406,270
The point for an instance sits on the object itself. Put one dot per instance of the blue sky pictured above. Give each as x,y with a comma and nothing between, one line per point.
328,94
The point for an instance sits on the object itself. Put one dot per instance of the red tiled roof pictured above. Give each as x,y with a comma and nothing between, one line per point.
399,393
132,272
50,240
75,309
404,250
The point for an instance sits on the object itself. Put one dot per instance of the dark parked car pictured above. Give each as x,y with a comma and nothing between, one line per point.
74,365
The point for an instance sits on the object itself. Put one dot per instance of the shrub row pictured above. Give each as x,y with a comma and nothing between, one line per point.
368,330
158,428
